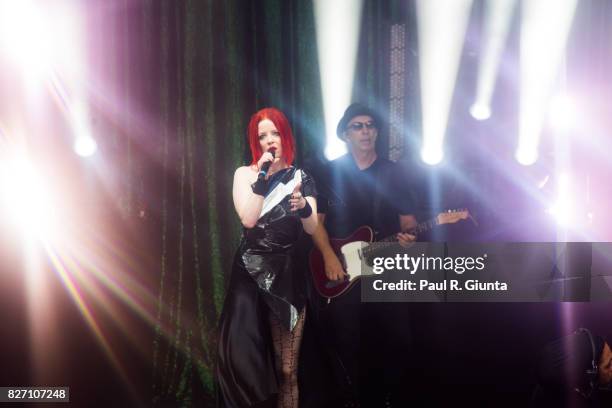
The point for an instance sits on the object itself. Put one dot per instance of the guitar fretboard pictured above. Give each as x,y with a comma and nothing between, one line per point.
391,240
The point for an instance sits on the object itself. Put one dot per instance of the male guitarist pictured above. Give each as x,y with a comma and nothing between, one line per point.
361,188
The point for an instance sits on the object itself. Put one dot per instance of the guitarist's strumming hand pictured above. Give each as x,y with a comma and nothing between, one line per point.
333,268
405,239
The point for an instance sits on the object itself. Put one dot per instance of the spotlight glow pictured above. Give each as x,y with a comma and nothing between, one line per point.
544,30
24,34
526,157
40,36
563,213
440,53
480,111
85,146
498,15
432,156
562,113
25,198
337,27
563,209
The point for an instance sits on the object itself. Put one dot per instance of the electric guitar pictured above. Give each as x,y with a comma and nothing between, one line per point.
351,251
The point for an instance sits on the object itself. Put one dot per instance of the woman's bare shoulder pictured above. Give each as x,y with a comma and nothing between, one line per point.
245,172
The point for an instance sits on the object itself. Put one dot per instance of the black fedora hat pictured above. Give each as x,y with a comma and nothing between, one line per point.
355,109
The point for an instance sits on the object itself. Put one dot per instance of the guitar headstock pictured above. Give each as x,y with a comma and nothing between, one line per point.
453,216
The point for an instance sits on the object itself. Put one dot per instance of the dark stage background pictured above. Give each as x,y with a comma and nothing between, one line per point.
171,86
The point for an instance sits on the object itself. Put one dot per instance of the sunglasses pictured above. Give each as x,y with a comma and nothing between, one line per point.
359,125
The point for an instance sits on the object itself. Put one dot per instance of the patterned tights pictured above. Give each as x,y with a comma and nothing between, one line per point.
286,354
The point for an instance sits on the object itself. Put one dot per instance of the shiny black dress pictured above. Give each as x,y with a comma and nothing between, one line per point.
263,281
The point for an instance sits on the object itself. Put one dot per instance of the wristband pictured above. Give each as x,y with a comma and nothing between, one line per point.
306,211
260,187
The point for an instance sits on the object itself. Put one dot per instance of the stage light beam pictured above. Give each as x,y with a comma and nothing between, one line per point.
337,28
480,111
544,29
563,209
526,156
84,143
440,53
85,146
432,156
498,15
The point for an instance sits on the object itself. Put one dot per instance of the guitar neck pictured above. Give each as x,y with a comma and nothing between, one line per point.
424,226
391,240
420,228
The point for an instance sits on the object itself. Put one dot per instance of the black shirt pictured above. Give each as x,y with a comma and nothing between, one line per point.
375,196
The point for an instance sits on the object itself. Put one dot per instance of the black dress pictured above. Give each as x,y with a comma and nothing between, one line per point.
263,281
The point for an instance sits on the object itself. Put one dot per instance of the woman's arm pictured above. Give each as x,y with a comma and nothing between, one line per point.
306,208
248,204
310,223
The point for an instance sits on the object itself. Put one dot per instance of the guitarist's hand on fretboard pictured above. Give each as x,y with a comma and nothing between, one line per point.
333,267
405,239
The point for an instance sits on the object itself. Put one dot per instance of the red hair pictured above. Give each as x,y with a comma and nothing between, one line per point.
282,125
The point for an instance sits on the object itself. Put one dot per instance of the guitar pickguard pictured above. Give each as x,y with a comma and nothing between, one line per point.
355,266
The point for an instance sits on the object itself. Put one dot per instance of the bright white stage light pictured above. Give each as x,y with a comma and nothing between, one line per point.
563,213
544,30
498,15
24,33
85,146
480,111
337,26
562,113
526,157
41,37
25,198
432,156
440,53
563,209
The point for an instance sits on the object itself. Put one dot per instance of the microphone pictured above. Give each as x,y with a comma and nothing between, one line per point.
266,166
